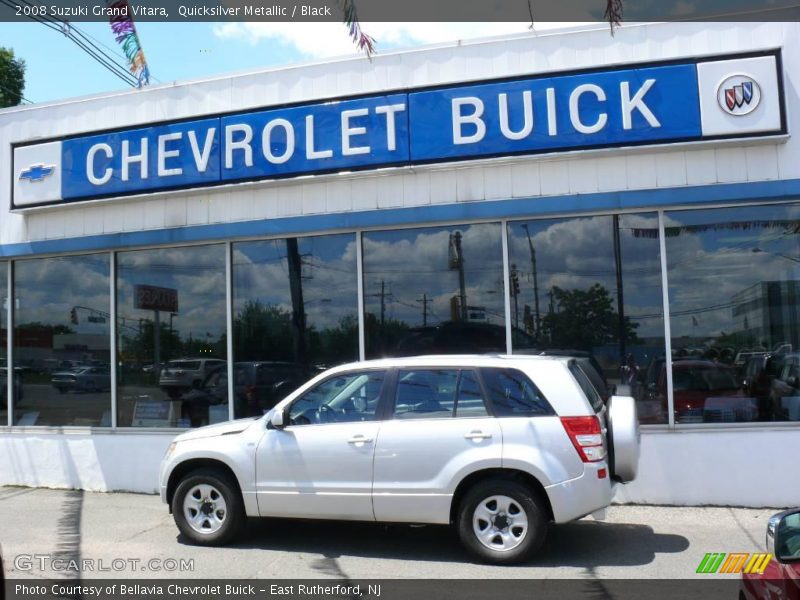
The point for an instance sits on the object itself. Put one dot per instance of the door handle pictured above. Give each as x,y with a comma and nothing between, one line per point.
477,435
359,439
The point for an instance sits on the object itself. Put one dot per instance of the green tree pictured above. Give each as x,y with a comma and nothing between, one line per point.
585,319
12,78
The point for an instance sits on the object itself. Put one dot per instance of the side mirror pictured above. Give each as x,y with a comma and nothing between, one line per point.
277,420
783,536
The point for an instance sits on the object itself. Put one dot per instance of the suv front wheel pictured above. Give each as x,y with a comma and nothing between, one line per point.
207,508
501,521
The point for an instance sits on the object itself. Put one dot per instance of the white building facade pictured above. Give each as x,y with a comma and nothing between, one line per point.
185,254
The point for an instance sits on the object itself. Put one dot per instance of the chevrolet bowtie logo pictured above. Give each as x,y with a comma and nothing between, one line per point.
37,172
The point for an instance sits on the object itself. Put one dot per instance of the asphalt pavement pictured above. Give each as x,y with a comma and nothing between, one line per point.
74,534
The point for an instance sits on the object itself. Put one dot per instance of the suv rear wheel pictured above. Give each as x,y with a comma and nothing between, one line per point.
208,508
501,521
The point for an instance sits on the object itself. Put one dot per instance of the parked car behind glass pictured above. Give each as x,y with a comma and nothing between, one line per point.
181,375
706,391
82,379
257,386
785,389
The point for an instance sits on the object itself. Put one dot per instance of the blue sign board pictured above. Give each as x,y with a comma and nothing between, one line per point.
527,115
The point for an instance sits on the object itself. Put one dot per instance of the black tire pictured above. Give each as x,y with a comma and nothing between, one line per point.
234,517
524,499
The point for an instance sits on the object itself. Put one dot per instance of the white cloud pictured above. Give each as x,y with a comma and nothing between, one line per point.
324,40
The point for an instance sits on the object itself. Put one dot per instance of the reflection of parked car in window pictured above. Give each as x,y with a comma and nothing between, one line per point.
82,379
705,391
181,375
260,385
781,577
497,446
785,389
257,385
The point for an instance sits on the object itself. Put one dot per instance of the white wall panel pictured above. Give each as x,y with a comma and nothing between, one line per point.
526,179
554,177
762,163
175,211
498,181
641,168
198,209
470,184
390,193
701,167
611,173
674,469
582,176
731,165
416,189
670,169
315,198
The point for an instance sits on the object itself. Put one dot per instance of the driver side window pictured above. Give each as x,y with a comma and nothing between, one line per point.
341,399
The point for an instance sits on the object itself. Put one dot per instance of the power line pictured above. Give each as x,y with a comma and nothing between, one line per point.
23,98
87,46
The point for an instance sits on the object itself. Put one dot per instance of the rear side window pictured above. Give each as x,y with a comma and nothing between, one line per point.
513,394
594,397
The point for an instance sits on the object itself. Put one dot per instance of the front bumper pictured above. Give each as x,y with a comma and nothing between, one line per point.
576,498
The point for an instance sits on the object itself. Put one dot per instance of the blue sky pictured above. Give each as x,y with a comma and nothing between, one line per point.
57,68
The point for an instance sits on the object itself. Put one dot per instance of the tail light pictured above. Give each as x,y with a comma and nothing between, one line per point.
587,437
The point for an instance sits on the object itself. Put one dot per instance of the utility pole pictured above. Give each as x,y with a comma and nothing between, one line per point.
382,295
298,306
425,303
457,262
620,300
536,314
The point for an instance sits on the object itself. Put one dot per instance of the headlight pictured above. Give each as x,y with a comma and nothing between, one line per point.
170,450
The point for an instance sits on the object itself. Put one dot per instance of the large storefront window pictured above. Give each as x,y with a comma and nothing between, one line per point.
4,341
295,312
434,290
591,286
61,341
171,327
734,289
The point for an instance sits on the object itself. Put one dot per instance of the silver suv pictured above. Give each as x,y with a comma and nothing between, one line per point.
495,445
181,375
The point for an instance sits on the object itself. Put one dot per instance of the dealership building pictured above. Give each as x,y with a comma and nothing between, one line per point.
171,256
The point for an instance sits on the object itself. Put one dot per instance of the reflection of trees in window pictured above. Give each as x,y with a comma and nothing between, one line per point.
265,332
584,319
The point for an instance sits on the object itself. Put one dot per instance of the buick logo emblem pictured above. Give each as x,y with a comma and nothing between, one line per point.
738,95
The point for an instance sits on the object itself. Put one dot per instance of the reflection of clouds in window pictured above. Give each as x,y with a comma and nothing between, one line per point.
328,267
52,287
416,262
578,252
715,255
197,272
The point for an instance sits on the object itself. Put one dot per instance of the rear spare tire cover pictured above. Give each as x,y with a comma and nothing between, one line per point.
624,438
